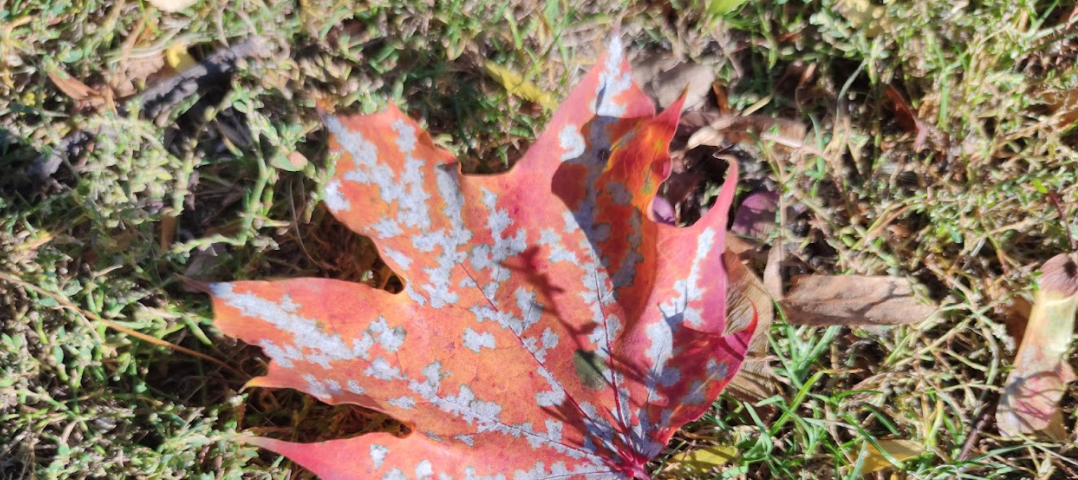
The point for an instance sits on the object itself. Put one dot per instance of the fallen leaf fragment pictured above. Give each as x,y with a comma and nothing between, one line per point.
702,460
172,5
1063,104
692,78
824,300
515,84
665,77
135,73
907,118
898,449
548,327
1031,396
749,303
756,216
75,89
737,129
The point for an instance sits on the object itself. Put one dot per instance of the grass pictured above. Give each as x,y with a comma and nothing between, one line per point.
82,249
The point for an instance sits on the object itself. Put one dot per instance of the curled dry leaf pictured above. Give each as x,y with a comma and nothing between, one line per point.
1030,402
823,300
549,327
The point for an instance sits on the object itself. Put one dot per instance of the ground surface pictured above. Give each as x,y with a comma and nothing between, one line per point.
105,202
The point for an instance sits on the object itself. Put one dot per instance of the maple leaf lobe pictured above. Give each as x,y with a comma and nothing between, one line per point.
549,326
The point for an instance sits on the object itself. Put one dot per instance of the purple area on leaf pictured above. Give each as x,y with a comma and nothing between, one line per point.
756,217
663,211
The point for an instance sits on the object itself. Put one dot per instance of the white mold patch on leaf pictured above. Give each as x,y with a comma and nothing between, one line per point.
381,369
386,228
402,260
405,136
395,474
404,402
489,258
354,387
558,252
315,387
451,241
378,454
390,339
613,81
571,141
688,290
530,309
553,397
424,470
475,341
307,334
283,356
334,199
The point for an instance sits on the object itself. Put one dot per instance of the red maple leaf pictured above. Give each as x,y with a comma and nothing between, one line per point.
549,328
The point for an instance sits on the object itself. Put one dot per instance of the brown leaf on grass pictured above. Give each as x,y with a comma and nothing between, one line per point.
1030,403
823,300
81,93
773,271
737,129
1063,104
910,122
663,76
756,215
747,298
136,72
692,78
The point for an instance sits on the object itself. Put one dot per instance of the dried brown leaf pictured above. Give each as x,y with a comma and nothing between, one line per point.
76,90
823,300
1063,104
663,76
737,129
136,72
747,298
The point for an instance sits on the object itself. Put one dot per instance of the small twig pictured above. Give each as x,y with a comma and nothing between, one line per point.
971,440
88,315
